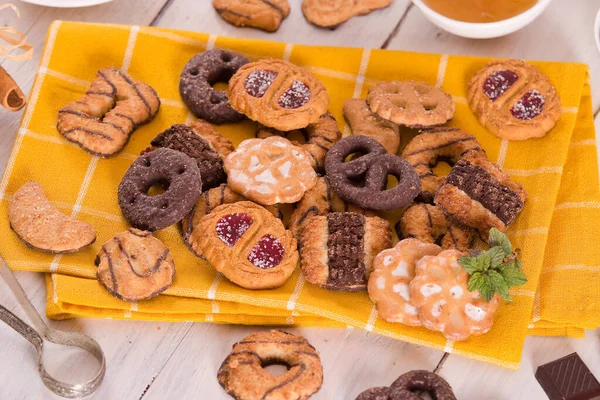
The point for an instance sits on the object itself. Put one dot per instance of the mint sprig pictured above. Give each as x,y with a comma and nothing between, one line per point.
494,270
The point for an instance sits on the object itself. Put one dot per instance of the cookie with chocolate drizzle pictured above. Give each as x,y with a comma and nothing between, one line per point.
261,14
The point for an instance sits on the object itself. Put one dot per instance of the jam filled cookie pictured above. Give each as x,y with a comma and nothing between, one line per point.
338,249
113,107
243,376
363,122
440,292
197,80
278,94
363,180
207,202
134,265
41,226
428,223
425,149
270,171
172,170
247,244
318,138
480,195
330,14
393,269
261,14
202,142
514,100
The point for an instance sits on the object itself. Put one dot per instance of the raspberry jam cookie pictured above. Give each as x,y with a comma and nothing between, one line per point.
134,265
338,249
440,292
243,376
318,138
203,143
247,244
270,171
174,172
425,149
363,122
393,269
261,14
428,223
278,94
514,100
208,201
40,225
197,80
480,195
410,103
330,14
113,107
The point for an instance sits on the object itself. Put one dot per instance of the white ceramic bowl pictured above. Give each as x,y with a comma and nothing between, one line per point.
66,3
484,30
597,30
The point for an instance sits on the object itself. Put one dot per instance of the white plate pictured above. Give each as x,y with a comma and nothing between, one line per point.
66,3
597,30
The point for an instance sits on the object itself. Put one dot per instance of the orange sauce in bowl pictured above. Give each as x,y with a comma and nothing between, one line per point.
480,10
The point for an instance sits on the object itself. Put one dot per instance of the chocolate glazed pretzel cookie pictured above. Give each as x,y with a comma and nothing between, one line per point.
363,180
409,387
113,107
243,376
262,14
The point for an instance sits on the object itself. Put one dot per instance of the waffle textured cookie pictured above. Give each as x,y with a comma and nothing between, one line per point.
278,94
514,100
338,249
134,265
247,244
364,122
478,194
270,171
113,107
261,14
40,225
410,103
330,14
318,138
243,376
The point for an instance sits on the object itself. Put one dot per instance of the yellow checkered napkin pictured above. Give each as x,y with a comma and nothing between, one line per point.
555,230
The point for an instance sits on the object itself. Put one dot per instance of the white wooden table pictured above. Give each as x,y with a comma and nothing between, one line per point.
180,360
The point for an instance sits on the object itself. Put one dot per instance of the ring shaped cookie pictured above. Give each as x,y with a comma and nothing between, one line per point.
113,107
134,265
175,172
198,76
363,180
247,244
278,94
243,376
514,100
265,15
408,385
439,144
318,138
410,103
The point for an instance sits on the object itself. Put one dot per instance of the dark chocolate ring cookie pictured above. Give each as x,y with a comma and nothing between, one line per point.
179,176
363,180
421,381
376,393
198,76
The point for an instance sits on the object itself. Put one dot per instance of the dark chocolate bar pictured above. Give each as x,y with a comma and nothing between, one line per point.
568,378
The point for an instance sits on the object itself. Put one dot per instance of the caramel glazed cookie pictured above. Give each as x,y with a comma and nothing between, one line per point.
197,80
103,119
338,249
262,14
243,376
514,100
200,141
330,14
278,94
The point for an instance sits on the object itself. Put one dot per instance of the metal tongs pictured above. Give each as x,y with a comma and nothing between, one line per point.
39,331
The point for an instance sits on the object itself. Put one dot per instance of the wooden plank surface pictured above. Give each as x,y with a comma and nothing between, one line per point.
164,361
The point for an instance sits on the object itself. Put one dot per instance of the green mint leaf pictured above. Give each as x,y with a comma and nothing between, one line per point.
496,256
484,259
487,289
512,274
470,264
499,285
498,238
475,281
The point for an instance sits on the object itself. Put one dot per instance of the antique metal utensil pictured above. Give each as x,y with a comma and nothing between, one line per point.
38,332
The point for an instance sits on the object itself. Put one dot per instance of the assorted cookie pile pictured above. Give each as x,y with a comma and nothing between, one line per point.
257,211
